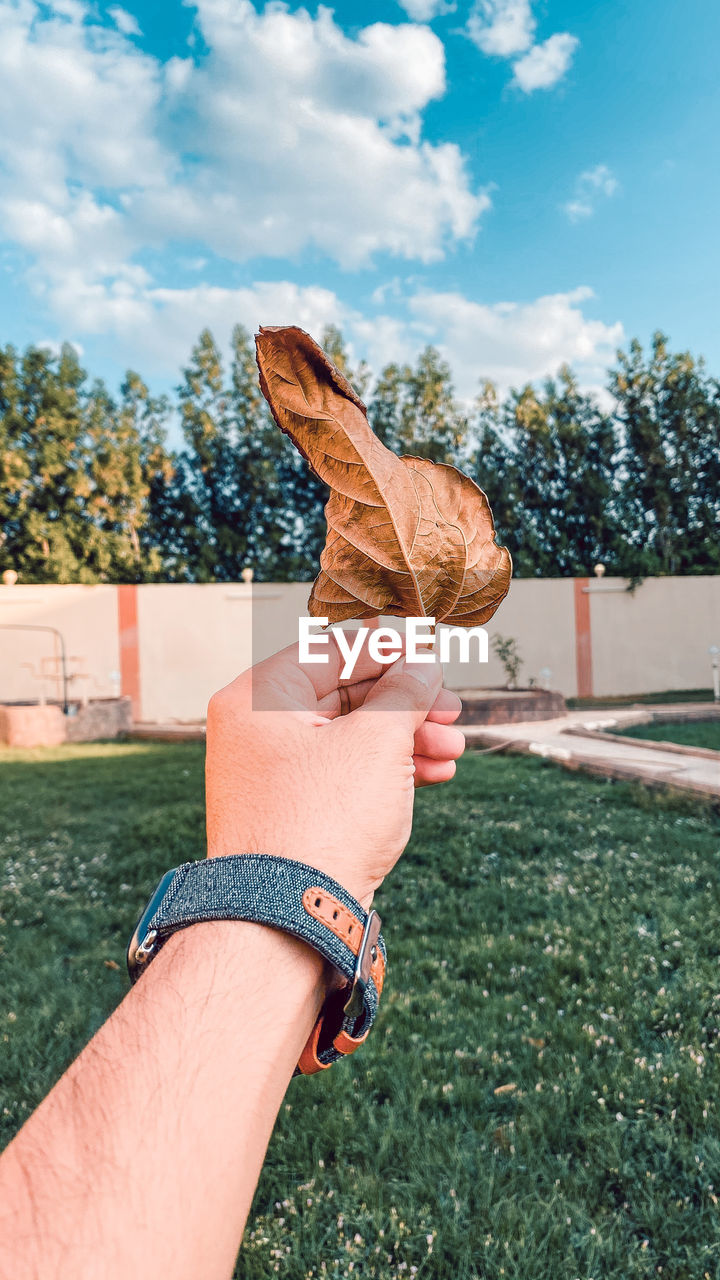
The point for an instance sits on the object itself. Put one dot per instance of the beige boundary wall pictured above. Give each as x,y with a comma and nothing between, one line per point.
169,647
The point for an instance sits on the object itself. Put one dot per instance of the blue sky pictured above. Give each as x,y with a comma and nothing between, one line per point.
521,183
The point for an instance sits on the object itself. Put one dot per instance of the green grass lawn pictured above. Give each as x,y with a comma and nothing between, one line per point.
627,700
540,1098
691,733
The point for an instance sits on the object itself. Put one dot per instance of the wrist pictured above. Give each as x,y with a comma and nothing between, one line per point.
209,963
288,847
284,895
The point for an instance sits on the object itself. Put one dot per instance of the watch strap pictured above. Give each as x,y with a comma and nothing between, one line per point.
293,897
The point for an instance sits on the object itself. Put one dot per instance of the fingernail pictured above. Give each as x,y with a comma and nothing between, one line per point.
425,672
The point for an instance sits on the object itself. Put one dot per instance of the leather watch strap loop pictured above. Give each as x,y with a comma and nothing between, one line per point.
336,917
309,1061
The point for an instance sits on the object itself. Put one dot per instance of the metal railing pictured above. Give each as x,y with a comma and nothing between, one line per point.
22,626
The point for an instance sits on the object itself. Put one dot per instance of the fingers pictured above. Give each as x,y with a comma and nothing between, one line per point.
429,772
435,750
344,699
312,682
446,707
408,689
438,741
282,681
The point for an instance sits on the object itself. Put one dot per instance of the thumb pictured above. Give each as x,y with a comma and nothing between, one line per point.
409,689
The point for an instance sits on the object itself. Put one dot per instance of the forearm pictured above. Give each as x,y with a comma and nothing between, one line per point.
148,1150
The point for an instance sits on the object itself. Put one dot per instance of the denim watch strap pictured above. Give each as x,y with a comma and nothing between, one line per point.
295,898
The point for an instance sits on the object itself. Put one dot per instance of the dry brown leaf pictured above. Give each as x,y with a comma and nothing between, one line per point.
503,1089
405,536
535,1041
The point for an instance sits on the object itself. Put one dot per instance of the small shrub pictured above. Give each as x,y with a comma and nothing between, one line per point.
507,651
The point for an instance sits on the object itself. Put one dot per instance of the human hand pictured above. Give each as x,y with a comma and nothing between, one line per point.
325,772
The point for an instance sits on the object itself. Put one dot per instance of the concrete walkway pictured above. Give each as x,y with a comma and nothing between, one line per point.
580,740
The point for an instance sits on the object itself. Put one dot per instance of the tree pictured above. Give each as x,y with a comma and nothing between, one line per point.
89,490
583,527
494,467
147,511
333,344
53,539
414,410
546,461
386,405
705,518
432,423
249,498
14,463
212,548
669,502
259,450
126,462
78,472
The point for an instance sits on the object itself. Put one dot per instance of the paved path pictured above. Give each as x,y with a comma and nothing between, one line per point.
580,740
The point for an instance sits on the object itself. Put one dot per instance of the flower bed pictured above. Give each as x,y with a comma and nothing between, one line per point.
47,725
510,706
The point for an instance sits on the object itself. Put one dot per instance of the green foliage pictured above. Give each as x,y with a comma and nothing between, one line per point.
551,932
14,461
246,496
77,472
546,461
669,496
59,485
213,544
507,651
89,490
689,733
146,480
414,411
631,699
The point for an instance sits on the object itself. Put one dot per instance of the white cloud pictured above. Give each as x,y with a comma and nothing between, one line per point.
506,28
75,10
516,342
309,137
546,63
77,103
591,185
55,347
124,21
501,28
577,210
154,328
426,10
601,179
286,136
509,342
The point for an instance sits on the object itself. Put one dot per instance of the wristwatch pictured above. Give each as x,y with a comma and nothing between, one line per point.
285,895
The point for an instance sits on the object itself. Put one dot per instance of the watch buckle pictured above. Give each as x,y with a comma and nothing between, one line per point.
366,957
142,943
